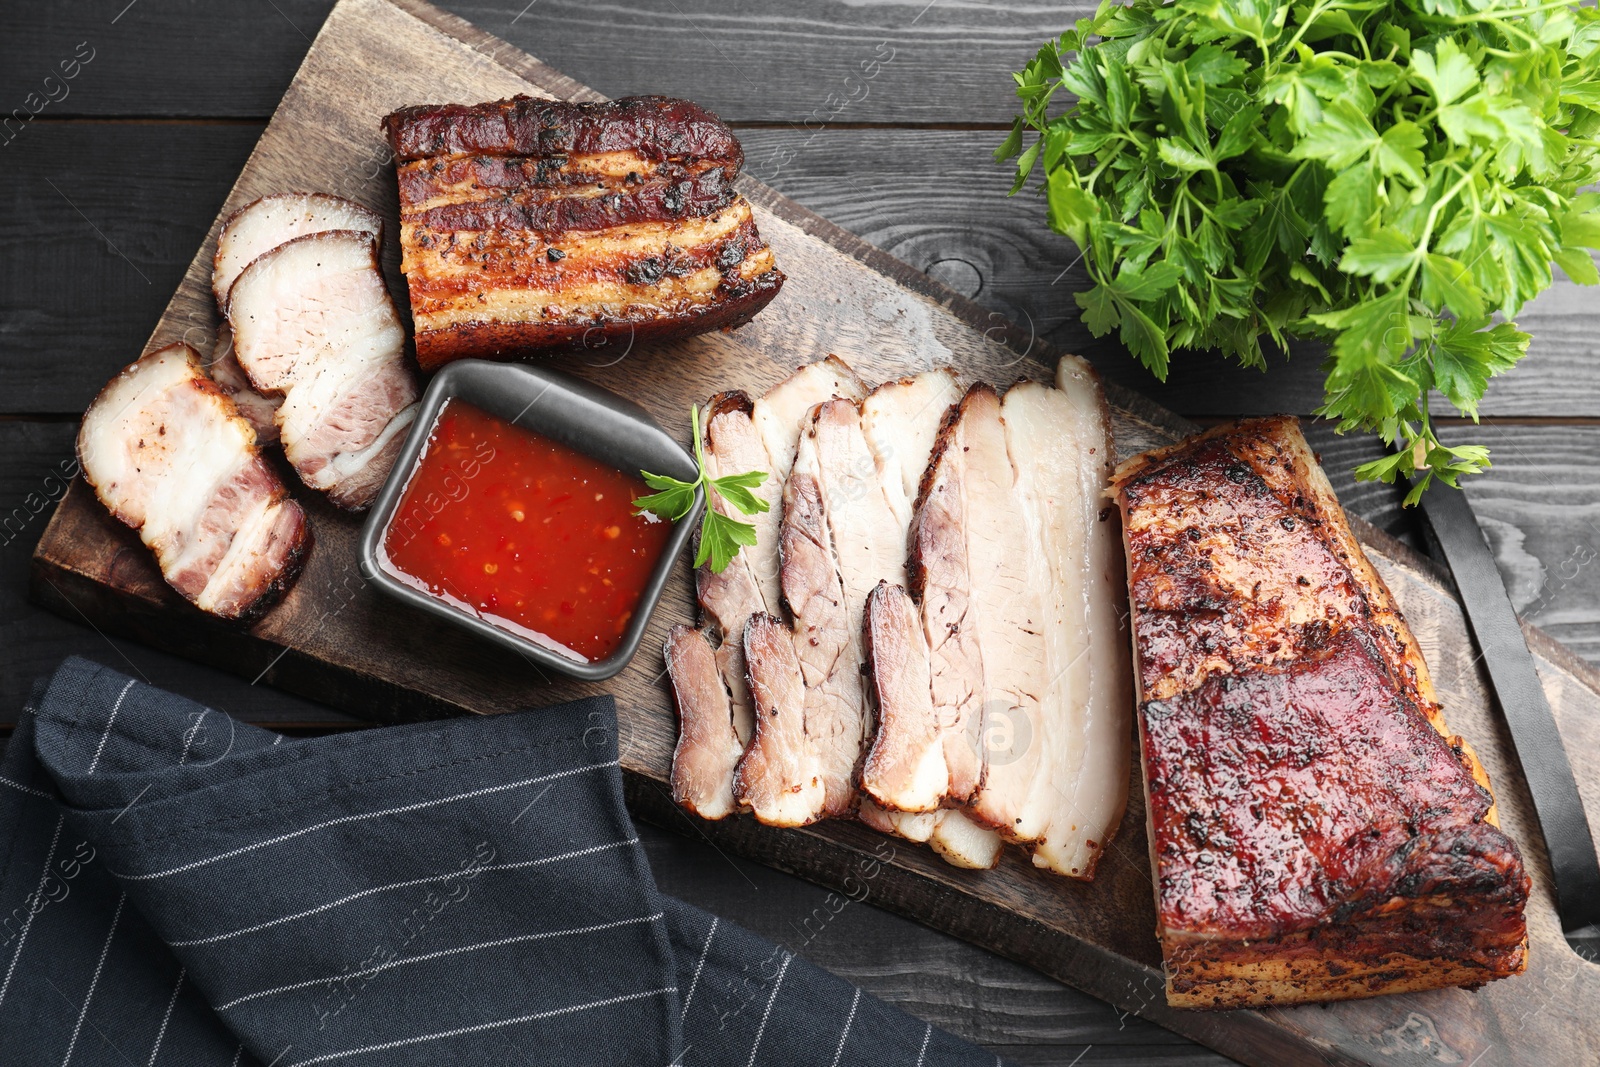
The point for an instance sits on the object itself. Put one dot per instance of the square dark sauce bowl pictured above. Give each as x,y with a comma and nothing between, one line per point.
607,429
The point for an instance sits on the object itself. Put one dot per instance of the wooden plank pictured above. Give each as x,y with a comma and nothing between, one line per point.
118,209
931,198
332,635
925,62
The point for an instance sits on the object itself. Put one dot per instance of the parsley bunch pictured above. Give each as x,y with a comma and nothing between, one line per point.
1394,178
721,535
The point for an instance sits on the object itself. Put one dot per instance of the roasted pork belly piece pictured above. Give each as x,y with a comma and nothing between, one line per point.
264,224
313,322
1315,833
536,224
168,453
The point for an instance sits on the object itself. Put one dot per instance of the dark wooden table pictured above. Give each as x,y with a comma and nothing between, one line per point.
881,115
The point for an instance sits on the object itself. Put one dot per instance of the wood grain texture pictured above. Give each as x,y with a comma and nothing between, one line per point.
334,638
745,59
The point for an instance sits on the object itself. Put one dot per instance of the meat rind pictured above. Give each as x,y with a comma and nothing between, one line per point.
652,127
312,320
1314,833
168,453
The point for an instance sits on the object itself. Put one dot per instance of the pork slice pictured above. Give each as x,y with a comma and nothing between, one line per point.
312,320
168,453
782,409
780,777
905,769
1058,443
939,580
1008,609
264,224
708,747
1101,796
901,421
827,647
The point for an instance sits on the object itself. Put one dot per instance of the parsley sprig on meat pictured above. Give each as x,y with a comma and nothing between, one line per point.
1396,179
721,535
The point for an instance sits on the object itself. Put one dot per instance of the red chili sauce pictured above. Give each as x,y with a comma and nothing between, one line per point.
525,533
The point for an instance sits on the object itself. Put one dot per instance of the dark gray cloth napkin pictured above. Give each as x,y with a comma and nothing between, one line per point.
180,888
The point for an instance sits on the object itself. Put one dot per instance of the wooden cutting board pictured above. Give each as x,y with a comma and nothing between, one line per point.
336,640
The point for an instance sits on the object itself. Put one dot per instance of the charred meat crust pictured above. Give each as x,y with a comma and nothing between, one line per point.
654,127
294,563
657,201
1316,834
508,340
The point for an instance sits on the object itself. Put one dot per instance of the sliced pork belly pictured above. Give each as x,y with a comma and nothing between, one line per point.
531,224
258,409
168,453
740,436
780,777
264,224
709,744
1060,444
1008,611
902,420
312,320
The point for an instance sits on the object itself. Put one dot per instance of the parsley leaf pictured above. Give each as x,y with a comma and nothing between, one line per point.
721,535
1394,178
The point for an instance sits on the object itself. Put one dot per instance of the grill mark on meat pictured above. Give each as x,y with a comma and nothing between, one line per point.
660,200
654,127
779,778
622,266
531,224
168,453
427,183
1315,834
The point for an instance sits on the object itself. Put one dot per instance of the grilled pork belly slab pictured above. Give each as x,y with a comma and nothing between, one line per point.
312,321
1315,833
534,224
168,453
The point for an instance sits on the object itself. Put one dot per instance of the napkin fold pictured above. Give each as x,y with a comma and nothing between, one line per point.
181,888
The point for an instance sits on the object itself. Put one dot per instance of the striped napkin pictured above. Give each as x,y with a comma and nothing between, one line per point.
180,888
